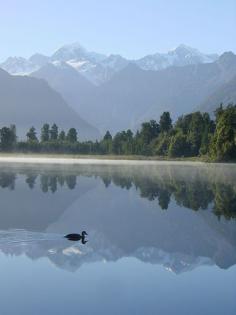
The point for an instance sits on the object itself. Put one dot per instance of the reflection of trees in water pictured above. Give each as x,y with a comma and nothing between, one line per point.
71,181
51,182
164,199
48,182
193,191
194,195
225,201
122,182
31,180
7,180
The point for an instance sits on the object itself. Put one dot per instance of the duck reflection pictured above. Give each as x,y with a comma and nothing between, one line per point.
77,237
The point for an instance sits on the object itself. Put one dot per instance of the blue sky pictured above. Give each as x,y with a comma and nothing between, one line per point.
132,28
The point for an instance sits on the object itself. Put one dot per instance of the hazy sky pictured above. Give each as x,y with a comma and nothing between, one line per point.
132,28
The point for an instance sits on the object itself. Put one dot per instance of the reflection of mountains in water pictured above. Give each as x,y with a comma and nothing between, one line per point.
105,201
71,256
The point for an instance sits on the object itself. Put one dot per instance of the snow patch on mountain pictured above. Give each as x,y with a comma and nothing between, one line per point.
77,52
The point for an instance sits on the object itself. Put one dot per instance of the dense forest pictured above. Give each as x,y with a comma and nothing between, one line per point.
192,135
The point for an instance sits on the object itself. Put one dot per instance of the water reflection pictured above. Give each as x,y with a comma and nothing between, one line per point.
194,188
127,211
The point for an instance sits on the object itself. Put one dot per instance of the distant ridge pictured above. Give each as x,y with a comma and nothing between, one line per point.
30,102
225,94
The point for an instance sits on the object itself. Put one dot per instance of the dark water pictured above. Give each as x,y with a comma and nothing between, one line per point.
161,239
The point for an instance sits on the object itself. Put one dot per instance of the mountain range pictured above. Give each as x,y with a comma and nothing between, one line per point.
99,68
112,92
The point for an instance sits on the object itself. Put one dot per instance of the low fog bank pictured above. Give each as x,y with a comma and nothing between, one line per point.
94,161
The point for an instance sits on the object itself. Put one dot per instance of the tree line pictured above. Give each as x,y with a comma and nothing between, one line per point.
194,134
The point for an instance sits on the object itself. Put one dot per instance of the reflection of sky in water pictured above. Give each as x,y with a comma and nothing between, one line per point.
125,287
141,258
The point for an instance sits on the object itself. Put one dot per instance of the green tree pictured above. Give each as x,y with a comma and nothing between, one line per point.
106,144
149,131
179,145
62,136
45,136
32,135
123,142
165,122
54,132
198,128
13,131
117,144
8,138
161,144
72,135
218,112
223,145
107,136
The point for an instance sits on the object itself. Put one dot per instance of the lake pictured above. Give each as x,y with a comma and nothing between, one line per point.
161,239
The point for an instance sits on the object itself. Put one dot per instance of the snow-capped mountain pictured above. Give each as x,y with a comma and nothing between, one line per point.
181,56
76,52
99,68
19,66
85,62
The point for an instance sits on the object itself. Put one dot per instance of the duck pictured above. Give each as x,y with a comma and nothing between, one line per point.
77,237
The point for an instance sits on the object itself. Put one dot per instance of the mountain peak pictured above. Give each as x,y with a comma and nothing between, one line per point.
18,66
185,47
73,46
228,55
76,52
227,60
70,51
184,50
15,59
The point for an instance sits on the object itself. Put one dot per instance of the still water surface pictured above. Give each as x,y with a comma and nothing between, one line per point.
161,239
